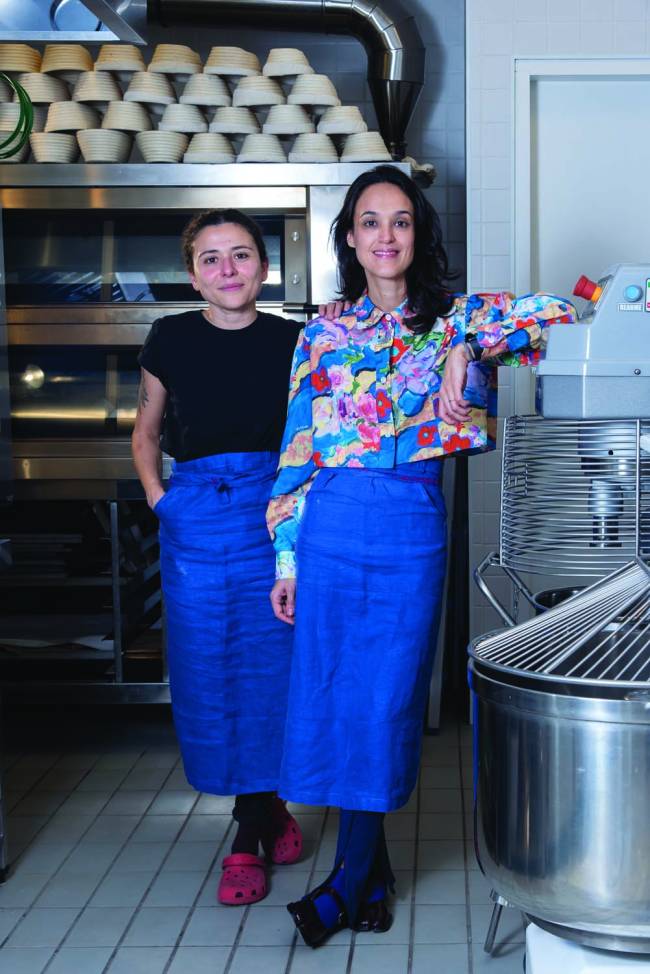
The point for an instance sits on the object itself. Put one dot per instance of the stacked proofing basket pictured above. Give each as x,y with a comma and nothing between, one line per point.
562,702
230,109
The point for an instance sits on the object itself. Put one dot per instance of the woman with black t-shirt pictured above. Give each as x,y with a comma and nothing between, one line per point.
214,383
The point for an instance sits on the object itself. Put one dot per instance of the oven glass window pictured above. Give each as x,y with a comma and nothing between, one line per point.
72,392
61,256
53,257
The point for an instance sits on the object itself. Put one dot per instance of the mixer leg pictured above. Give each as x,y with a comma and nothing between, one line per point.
499,904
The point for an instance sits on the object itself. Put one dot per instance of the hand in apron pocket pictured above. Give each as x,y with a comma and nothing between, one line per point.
162,502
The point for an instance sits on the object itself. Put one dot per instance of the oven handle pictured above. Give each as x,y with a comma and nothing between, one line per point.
292,308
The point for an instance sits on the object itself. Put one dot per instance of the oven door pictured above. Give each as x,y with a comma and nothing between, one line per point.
122,246
87,272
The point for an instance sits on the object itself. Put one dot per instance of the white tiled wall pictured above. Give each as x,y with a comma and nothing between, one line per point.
498,31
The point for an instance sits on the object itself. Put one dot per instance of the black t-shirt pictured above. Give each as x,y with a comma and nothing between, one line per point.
227,390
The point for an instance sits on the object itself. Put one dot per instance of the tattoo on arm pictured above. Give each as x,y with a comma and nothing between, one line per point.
143,395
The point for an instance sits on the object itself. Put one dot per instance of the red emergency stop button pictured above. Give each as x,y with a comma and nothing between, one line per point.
587,289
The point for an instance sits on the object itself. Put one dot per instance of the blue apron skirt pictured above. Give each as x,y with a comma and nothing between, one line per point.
229,657
371,558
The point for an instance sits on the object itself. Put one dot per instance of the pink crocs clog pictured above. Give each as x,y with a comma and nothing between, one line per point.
243,880
286,847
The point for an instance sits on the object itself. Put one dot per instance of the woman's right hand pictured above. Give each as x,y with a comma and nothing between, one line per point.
283,600
154,494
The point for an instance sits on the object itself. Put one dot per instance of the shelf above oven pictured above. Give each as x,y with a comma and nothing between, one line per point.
250,176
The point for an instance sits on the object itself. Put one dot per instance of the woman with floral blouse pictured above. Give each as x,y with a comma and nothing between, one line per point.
378,397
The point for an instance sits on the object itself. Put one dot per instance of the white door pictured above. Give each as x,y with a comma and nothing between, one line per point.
590,168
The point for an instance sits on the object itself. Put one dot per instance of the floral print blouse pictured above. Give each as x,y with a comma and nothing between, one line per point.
364,392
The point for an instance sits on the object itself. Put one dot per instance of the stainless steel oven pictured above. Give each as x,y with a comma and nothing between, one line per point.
92,257
86,273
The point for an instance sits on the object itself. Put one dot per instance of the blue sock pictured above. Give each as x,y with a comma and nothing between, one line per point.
377,892
327,907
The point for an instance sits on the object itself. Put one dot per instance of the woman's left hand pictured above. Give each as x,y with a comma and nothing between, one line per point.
453,407
333,309
283,600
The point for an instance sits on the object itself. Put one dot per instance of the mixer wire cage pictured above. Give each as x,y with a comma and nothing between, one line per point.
575,501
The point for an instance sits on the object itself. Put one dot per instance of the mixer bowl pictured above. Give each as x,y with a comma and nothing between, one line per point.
562,804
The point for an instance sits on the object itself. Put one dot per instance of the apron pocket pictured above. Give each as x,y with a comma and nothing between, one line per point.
434,496
162,502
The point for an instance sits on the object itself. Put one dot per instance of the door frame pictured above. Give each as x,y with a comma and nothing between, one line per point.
527,72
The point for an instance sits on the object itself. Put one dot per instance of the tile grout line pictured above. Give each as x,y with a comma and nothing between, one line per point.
468,913
12,759
32,787
414,880
106,871
350,960
108,868
294,942
196,899
27,909
26,794
353,946
138,907
11,812
236,942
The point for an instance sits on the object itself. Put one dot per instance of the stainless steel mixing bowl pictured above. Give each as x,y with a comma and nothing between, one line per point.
563,804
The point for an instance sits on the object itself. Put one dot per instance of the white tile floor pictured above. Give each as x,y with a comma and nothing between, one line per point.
117,862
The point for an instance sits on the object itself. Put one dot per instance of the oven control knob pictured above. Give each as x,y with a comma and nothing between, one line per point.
633,292
296,279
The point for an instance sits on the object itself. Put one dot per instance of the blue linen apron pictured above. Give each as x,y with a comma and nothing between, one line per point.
229,657
371,558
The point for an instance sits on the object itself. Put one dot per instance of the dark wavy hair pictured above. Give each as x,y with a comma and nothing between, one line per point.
428,297
214,218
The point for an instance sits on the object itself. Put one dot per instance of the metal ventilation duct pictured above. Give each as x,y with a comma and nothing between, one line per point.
389,34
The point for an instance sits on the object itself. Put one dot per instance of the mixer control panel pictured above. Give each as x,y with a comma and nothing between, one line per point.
600,367
635,297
